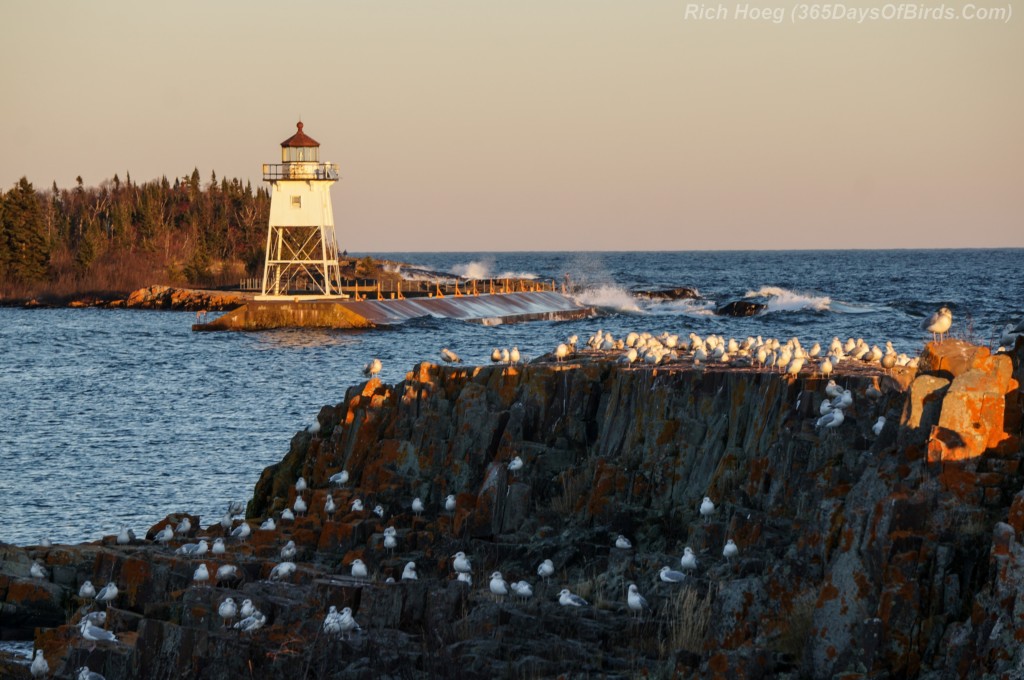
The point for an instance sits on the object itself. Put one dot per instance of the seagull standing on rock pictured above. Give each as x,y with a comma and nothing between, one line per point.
227,610
498,586
39,668
201,575
417,506
87,591
545,569
730,550
635,600
688,560
938,323
282,571
107,594
339,478
707,508
623,543
359,569
449,503
449,356
878,426
371,369
409,573
515,465
37,570
461,563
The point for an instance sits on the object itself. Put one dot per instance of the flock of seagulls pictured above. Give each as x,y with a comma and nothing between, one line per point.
789,357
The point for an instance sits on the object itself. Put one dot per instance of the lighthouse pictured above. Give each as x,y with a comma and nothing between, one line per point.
302,251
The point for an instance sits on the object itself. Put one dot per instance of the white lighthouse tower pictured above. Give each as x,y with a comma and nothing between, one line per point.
302,251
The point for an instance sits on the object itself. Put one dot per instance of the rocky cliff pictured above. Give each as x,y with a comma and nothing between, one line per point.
896,554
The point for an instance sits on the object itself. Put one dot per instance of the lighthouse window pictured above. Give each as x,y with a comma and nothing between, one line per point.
296,201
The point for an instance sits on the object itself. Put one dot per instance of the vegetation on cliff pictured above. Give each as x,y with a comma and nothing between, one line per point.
123,235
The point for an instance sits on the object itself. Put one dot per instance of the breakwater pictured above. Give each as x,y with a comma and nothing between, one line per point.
863,553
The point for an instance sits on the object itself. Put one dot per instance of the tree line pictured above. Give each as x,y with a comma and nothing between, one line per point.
122,235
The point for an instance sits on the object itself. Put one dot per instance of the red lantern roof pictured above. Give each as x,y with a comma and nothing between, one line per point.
300,138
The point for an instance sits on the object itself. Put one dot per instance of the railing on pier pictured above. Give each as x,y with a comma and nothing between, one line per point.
396,289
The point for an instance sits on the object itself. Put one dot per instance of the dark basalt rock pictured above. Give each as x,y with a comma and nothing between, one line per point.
859,556
667,294
741,308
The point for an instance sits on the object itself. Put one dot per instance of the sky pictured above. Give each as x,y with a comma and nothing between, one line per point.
472,125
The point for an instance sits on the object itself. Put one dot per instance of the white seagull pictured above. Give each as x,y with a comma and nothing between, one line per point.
85,674
201,574
95,633
218,546
299,506
37,570
498,586
242,531
688,560
545,569
449,503
567,599
165,534
635,600
409,573
359,569
339,478
87,591
371,369
288,551
668,575
938,323
247,609
39,667
357,505
878,426
282,571
730,550
706,509
417,506
461,563
623,543
108,593
515,465
268,524
450,356
227,610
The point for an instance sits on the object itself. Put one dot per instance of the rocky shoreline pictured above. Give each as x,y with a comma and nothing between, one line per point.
152,297
889,555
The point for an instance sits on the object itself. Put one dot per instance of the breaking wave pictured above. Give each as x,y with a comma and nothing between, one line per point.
784,300
608,297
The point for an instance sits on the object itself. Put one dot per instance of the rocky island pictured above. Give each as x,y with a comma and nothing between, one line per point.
873,548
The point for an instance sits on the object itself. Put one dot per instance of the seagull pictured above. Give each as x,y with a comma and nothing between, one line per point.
193,549
329,506
184,527
97,618
227,573
450,356
688,560
938,323
669,576
332,622
498,586
878,426
465,577
561,352
201,574
247,609
567,599
108,593
314,427
371,369
357,505
409,573
299,506
730,550
124,537
830,420
461,563
282,571
390,539
515,465
242,531
496,355
268,524
227,610
165,534
44,542
95,633
288,551
832,390
236,508
379,510
635,600
514,355
85,674
218,546
87,591
522,589
346,622
252,623
707,508
359,569
339,478
37,570
417,506
300,485
39,667
545,569
622,543
449,503
287,514
826,367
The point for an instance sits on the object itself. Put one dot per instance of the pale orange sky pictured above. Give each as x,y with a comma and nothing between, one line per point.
542,124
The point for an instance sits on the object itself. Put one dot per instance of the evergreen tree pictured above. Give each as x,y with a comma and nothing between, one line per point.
26,250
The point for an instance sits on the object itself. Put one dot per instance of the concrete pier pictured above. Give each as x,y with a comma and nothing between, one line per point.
326,313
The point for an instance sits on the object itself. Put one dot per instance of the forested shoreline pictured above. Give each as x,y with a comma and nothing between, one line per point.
122,235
